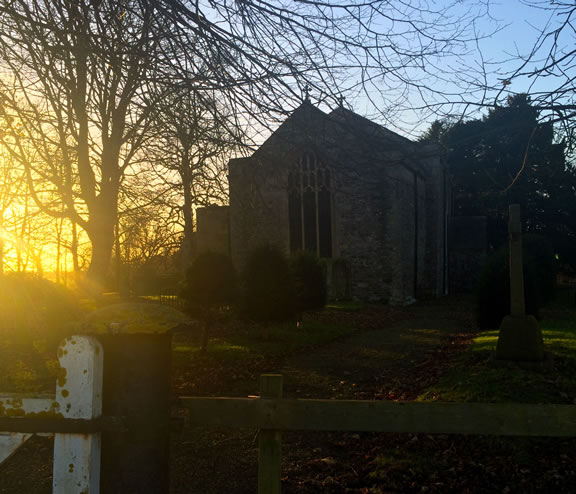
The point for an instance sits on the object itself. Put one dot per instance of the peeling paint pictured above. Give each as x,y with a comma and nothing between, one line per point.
29,407
62,377
76,456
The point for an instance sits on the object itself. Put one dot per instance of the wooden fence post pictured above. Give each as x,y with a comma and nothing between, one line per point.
79,396
269,441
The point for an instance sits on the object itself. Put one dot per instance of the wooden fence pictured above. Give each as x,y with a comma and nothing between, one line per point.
72,415
172,300
272,414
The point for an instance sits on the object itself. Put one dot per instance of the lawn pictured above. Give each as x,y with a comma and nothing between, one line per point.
29,363
484,464
256,342
475,378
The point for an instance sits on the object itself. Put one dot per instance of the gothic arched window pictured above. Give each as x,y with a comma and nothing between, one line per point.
309,206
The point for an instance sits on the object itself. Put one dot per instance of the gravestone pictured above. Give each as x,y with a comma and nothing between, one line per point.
520,337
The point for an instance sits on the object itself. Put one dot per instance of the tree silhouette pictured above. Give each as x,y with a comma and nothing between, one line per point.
509,157
81,79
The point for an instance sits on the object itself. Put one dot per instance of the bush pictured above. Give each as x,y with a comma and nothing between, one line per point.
269,291
211,283
493,292
310,281
540,256
32,306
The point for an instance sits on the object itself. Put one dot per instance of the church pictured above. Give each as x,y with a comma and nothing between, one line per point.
371,203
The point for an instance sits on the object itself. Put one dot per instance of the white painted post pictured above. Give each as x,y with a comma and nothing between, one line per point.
79,393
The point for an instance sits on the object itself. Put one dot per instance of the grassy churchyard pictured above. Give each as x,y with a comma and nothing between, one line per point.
428,351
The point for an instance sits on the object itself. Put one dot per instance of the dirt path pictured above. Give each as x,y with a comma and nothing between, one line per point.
385,363
388,361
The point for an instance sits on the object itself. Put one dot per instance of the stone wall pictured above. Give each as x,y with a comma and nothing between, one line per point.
388,214
361,214
259,214
212,229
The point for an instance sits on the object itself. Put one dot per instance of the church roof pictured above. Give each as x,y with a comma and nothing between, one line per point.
367,126
341,134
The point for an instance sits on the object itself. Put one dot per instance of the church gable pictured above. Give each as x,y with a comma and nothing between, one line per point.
349,191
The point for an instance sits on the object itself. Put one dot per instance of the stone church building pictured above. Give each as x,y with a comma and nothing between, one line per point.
370,202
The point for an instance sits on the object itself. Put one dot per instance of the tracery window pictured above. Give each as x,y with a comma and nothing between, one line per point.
309,206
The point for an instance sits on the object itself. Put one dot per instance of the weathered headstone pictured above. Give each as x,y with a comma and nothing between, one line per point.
520,337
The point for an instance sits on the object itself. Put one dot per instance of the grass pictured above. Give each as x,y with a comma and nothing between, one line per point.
258,343
346,306
480,463
134,318
474,380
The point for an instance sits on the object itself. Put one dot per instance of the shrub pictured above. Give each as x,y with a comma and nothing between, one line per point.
493,291
269,292
211,283
146,280
310,281
540,257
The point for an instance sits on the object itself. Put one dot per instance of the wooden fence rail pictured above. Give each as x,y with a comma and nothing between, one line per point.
73,414
272,414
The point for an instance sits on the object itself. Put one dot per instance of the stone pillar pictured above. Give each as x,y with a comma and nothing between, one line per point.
517,303
520,338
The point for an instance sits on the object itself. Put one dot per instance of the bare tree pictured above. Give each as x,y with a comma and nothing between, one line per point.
545,71
11,181
77,77
197,135
550,66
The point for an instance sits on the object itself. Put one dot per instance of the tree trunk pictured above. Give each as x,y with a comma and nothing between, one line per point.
187,210
102,239
59,226
74,249
205,334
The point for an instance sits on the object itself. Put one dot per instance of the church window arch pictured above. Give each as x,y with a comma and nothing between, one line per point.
310,206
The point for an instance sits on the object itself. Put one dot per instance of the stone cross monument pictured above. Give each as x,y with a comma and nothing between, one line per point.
520,337
517,303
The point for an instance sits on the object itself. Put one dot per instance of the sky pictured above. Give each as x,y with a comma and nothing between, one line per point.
521,26
518,26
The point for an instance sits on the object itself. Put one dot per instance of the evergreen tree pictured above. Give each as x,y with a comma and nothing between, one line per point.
509,157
